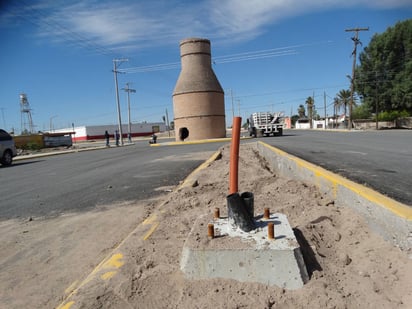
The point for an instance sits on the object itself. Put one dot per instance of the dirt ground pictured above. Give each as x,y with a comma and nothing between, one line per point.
349,265
40,258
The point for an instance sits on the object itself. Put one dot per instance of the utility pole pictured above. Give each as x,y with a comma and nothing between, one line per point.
233,108
51,123
129,127
356,41
167,121
119,117
376,100
324,105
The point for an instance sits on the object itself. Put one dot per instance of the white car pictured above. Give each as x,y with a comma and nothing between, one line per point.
7,148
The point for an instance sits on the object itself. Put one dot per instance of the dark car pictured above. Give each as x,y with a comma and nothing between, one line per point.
7,148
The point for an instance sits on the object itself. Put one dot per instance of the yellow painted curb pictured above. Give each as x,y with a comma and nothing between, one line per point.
399,209
189,179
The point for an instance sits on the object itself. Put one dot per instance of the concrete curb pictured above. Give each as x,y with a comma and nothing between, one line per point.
203,141
391,219
191,179
62,152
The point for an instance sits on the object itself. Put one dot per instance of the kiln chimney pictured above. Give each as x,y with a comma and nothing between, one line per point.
198,98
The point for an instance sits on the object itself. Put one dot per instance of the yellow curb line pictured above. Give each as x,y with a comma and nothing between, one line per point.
399,209
151,231
204,165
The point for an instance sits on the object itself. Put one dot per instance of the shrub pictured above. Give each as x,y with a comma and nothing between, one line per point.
361,112
32,146
392,115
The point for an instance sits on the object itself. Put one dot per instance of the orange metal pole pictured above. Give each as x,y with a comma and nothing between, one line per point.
234,156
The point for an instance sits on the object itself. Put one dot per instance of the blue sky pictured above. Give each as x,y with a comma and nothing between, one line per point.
60,53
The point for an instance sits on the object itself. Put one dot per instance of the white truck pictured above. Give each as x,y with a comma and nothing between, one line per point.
265,124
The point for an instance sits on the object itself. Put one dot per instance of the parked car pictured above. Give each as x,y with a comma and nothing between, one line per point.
7,148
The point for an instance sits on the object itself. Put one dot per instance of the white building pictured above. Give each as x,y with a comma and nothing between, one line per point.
85,133
302,123
330,123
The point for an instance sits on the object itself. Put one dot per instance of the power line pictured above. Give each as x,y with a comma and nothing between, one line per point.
226,59
38,18
245,56
288,90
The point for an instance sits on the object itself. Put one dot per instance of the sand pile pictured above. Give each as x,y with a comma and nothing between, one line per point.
349,266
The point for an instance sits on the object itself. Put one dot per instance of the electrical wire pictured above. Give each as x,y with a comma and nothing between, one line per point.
38,18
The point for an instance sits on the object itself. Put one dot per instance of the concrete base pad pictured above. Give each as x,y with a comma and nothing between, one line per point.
246,257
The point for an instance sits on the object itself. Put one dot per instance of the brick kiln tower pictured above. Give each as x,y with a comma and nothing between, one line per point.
198,98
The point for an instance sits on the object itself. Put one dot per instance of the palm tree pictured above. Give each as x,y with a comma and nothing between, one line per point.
343,99
310,103
336,104
336,107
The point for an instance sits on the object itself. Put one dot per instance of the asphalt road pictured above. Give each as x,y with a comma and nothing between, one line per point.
53,185
79,181
381,160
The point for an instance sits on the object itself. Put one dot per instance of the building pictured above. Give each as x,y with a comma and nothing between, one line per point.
198,98
302,123
86,133
330,123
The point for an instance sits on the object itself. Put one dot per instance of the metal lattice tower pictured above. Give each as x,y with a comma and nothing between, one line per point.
25,112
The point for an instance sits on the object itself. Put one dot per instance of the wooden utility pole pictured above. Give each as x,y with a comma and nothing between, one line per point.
324,106
119,117
233,108
129,126
376,100
356,41
167,122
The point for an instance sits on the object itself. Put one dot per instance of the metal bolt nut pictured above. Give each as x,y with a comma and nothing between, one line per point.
210,231
216,213
271,230
266,214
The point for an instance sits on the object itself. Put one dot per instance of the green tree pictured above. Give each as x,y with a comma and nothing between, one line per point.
383,77
294,119
301,111
361,112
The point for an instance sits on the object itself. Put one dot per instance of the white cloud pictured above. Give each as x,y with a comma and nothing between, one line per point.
119,25
247,19
116,24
